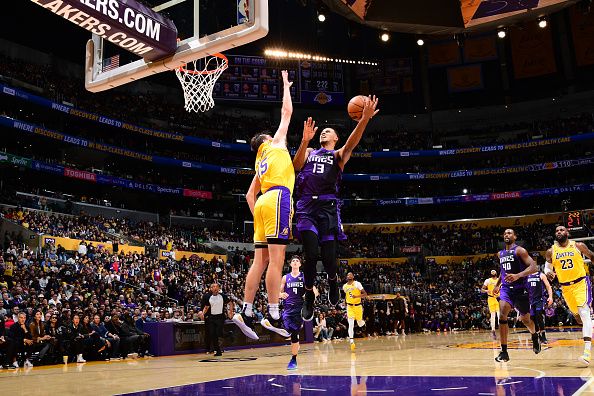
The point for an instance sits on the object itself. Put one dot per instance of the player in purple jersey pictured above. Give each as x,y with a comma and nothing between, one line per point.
516,265
536,284
292,289
318,212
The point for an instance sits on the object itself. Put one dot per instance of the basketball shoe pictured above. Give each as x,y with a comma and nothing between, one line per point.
246,325
274,325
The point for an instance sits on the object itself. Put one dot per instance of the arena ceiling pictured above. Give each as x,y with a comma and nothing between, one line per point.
444,16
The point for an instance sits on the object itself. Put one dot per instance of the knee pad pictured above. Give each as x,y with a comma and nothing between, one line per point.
294,337
360,323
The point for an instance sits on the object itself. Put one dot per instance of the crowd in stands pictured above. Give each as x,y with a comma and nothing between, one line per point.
118,292
73,307
229,127
455,239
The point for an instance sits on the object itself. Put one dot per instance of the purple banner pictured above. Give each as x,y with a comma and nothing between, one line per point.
125,23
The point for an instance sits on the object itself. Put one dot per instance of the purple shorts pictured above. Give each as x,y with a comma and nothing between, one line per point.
292,320
517,297
322,216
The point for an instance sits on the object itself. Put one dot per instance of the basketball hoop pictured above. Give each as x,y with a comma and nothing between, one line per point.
198,82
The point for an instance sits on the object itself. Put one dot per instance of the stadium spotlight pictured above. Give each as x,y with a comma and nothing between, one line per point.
321,17
465,191
501,33
420,42
542,23
385,37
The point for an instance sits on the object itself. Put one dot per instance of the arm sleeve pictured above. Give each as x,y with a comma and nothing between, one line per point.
358,285
548,268
486,282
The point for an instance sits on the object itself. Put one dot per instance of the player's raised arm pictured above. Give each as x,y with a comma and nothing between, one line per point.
280,137
369,110
252,193
309,131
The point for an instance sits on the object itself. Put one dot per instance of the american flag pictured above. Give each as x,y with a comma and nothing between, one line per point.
111,63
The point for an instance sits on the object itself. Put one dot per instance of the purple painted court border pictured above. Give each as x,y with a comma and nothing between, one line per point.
341,385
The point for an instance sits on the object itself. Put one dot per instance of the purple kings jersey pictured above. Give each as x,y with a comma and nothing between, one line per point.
535,288
320,175
511,264
295,288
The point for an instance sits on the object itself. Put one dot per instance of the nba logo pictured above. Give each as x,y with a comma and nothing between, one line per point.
243,11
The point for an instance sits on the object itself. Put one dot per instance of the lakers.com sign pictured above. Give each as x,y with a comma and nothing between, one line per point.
125,23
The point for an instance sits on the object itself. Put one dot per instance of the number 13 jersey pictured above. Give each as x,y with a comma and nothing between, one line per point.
568,262
320,175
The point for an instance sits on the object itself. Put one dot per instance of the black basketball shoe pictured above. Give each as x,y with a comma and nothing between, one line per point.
307,311
333,293
535,343
502,357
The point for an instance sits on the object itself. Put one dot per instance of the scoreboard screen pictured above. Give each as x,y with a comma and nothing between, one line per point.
321,82
254,78
574,221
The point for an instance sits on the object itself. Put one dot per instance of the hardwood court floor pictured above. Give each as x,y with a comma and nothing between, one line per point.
438,358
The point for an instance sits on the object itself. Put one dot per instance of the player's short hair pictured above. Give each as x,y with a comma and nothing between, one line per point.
298,257
257,140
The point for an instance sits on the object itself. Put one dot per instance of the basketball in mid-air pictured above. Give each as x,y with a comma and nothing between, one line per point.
355,107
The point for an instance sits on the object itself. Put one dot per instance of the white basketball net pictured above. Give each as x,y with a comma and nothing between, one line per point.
199,80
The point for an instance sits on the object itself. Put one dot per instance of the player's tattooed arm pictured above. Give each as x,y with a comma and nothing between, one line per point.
584,250
252,193
280,137
369,110
309,131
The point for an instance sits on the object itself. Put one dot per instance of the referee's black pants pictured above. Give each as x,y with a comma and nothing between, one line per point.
214,325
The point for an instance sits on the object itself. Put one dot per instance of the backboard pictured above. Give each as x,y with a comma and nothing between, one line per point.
203,28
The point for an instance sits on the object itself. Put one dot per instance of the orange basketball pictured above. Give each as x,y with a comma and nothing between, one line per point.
355,107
